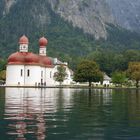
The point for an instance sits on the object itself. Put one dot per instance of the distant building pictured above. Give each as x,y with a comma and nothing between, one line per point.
28,69
106,80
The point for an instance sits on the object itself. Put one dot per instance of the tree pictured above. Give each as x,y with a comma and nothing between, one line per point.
3,75
3,64
132,55
134,72
88,71
60,74
118,78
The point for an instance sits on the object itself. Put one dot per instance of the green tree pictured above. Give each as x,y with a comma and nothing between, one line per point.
134,72
3,64
88,71
132,55
118,78
3,75
60,75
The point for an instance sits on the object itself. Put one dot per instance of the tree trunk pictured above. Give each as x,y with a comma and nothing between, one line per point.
137,83
89,83
60,83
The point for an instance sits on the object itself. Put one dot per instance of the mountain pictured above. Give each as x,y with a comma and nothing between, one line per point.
73,27
93,16
126,13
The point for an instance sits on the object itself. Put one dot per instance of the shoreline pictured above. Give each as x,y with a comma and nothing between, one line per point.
70,86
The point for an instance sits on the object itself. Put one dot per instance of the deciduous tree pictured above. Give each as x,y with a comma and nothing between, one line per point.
88,71
118,78
134,72
60,74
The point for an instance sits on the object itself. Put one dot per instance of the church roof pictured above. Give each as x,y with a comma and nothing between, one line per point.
29,58
106,77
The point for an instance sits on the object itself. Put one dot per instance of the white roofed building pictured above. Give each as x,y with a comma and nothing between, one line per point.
106,80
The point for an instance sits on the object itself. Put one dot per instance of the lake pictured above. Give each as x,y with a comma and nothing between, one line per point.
69,114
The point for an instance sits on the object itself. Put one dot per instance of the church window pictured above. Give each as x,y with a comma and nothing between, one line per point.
28,73
21,73
41,73
50,74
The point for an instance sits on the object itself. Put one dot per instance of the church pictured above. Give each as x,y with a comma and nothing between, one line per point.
26,68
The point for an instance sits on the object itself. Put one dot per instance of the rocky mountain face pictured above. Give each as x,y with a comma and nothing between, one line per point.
92,16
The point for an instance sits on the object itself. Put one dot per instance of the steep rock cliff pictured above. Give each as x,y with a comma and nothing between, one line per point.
90,15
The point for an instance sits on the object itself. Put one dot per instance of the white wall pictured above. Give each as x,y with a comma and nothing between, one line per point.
36,73
49,76
106,82
34,76
13,75
14,78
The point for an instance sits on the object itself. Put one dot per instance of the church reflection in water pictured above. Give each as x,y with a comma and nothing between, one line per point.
66,113
25,110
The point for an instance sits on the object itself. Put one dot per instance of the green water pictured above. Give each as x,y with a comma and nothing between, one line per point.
69,114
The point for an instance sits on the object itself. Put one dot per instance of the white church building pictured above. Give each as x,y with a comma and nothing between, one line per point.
28,69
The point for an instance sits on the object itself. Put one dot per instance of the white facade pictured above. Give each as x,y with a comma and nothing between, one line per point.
13,75
28,75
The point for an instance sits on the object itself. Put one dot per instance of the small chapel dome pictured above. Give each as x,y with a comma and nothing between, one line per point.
23,40
43,42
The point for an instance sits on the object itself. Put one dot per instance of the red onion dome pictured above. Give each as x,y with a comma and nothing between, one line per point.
32,58
45,60
23,40
17,57
43,42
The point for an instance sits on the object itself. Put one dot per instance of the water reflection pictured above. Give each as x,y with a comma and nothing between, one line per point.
25,110
30,114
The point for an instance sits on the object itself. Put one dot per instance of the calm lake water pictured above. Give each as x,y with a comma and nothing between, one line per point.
69,114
